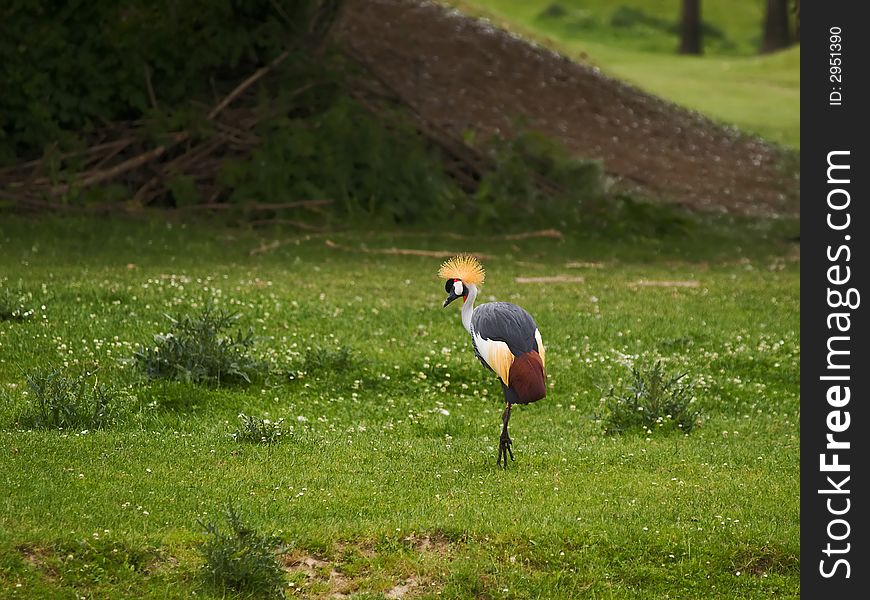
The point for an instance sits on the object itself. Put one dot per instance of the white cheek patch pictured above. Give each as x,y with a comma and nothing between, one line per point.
457,287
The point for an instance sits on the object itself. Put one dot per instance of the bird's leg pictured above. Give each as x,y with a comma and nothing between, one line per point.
504,446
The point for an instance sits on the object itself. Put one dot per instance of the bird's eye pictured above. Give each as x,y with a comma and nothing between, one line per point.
448,287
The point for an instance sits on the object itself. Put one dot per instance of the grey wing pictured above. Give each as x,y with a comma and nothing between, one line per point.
505,322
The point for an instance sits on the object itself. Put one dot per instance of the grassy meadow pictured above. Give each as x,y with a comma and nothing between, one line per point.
636,41
383,483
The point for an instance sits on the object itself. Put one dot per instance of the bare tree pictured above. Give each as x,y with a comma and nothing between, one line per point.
690,28
797,21
776,33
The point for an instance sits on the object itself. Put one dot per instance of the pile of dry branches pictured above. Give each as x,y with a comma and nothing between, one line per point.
127,155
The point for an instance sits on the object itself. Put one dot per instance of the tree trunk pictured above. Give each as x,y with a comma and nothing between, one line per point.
776,34
797,21
690,29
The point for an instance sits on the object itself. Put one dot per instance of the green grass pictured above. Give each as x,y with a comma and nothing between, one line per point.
648,25
387,474
730,83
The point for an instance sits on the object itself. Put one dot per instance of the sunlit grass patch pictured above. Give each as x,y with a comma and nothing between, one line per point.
388,482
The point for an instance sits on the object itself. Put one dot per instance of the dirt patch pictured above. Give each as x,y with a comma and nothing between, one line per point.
325,580
34,556
429,543
164,563
463,74
764,560
337,584
401,591
38,558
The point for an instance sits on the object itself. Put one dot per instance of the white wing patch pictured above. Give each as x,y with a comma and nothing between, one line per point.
540,347
497,355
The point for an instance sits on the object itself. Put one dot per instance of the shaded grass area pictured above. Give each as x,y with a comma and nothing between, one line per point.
386,481
730,83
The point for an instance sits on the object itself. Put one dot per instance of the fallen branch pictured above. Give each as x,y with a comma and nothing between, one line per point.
113,208
404,251
584,265
258,74
113,152
291,222
691,283
96,149
45,187
264,247
94,177
151,95
544,233
551,279
257,207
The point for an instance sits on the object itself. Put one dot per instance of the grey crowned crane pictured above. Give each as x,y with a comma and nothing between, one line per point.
505,337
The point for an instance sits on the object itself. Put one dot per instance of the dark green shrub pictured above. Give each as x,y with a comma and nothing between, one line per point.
572,20
257,430
68,67
537,181
370,169
199,348
625,217
652,401
59,400
14,306
242,559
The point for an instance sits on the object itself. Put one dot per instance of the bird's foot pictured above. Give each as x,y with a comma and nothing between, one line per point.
504,449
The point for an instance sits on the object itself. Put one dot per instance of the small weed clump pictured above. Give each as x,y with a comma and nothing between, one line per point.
59,400
325,361
652,401
257,430
242,559
13,306
196,350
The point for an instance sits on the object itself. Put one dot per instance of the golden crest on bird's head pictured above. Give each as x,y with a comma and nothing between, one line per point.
464,267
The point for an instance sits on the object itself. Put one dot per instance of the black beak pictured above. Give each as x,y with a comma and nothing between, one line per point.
450,298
